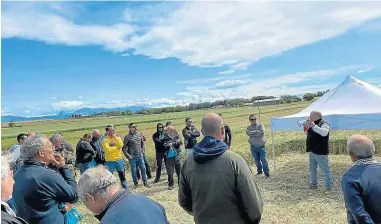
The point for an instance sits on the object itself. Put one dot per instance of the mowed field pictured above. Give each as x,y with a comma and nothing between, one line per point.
287,198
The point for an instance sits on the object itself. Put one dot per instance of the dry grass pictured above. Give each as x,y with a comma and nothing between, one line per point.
287,198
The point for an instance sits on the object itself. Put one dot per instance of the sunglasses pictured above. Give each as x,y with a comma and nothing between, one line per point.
133,126
160,127
253,119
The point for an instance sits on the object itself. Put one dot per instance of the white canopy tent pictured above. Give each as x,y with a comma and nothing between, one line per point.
353,104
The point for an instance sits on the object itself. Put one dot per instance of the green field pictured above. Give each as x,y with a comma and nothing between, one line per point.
237,118
287,198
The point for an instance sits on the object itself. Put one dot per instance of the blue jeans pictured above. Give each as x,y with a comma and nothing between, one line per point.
138,161
322,161
84,166
119,166
259,155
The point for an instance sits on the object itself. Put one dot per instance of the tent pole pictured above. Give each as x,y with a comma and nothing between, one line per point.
273,149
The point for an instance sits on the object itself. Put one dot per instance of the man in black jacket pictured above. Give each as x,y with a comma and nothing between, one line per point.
85,154
38,191
96,143
158,139
172,143
7,214
190,134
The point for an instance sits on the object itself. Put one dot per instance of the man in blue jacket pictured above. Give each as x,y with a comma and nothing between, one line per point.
362,182
38,190
99,190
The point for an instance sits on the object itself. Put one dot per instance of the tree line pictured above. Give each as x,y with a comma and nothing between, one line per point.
238,102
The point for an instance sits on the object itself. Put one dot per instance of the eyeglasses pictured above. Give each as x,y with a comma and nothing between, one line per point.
253,119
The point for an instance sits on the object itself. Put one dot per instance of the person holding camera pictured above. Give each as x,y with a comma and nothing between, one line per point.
318,147
112,145
190,134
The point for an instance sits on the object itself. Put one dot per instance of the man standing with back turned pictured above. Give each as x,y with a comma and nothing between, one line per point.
317,146
216,184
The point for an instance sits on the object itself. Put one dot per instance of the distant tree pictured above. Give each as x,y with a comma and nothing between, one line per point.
12,124
308,96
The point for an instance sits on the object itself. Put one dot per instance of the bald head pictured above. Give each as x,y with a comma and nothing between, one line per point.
212,125
360,147
30,134
96,133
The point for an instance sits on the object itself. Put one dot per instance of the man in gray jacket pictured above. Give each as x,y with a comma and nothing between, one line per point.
216,184
256,133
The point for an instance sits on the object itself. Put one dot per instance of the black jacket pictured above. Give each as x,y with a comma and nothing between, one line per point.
228,135
173,138
158,139
316,143
100,154
190,136
84,152
8,218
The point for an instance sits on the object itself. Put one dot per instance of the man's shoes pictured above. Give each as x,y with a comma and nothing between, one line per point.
258,174
328,189
156,181
313,187
147,185
170,187
136,186
268,176
149,176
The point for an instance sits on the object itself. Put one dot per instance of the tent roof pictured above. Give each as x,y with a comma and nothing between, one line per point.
352,98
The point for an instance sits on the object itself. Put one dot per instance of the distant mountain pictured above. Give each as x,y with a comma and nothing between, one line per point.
64,115
91,111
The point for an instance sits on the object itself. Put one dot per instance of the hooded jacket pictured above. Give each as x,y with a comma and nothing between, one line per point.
158,139
217,186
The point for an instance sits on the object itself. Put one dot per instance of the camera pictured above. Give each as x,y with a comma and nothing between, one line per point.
301,123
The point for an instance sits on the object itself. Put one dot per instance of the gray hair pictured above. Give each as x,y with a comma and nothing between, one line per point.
32,146
96,182
318,114
360,147
5,166
55,137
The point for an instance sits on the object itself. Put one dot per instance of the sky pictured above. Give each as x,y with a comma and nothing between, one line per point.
63,56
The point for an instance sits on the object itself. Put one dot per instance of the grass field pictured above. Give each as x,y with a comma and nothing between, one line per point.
287,199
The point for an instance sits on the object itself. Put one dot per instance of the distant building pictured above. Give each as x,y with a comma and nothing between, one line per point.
275,101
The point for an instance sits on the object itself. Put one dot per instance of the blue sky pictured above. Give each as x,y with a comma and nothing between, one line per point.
68,55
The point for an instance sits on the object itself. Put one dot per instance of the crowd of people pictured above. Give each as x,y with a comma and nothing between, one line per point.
216,185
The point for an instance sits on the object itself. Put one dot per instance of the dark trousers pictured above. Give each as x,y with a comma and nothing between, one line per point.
148,168
173,164
159,163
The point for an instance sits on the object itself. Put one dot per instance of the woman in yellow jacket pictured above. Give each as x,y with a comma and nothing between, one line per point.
112,145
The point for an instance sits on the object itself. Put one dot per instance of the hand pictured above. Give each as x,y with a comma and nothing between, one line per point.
170,144
112,144
130,157
311,124
58,160
116,134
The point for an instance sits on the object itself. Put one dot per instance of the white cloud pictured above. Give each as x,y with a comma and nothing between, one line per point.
53,97
68,104
364,70
227,84
81,97
229,33
240,66
227,72
125,55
